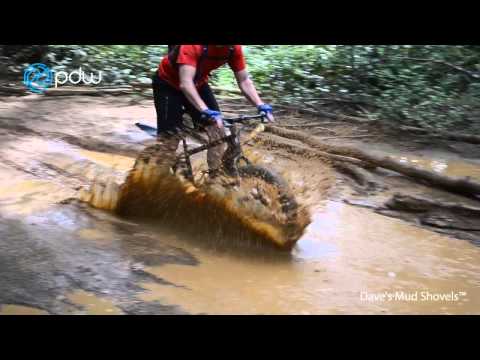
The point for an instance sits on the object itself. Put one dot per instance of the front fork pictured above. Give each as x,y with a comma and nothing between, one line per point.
186,159
188,162
233,154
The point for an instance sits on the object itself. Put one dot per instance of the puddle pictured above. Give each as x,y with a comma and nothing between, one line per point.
23,197
20,310
347,253
345,261
92,304
114,162
449,167
99,235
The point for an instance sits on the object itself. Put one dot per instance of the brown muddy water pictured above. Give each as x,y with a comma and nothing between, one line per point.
348,260
347,256
64,257
20,310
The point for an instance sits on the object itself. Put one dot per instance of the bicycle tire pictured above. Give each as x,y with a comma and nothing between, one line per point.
294,226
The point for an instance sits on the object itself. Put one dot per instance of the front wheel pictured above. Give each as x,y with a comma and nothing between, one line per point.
270,191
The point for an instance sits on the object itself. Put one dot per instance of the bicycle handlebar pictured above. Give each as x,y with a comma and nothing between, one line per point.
243,118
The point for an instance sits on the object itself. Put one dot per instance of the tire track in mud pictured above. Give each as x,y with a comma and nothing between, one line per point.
42,261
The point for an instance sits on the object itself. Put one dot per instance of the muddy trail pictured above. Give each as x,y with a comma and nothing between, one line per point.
63,251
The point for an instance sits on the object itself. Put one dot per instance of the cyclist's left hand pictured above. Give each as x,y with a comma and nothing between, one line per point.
267,111
213,116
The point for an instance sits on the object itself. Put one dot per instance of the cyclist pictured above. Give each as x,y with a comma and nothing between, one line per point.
181,83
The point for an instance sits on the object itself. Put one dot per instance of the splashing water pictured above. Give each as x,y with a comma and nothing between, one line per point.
212,209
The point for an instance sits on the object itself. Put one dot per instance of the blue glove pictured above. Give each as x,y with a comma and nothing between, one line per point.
265,109
209,114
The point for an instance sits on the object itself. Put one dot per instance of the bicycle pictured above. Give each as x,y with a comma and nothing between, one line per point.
241,168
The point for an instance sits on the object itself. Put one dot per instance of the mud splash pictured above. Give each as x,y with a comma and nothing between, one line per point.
147,193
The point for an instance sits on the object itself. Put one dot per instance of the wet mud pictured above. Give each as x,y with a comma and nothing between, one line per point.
61,255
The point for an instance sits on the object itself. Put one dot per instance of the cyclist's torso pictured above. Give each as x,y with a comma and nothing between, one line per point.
194,55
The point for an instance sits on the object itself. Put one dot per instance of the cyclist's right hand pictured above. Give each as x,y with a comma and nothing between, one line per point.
267,111
213,116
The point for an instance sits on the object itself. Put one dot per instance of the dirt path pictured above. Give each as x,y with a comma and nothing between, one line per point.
61,256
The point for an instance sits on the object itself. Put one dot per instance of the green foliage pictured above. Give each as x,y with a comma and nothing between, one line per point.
394,86
120,63
397,87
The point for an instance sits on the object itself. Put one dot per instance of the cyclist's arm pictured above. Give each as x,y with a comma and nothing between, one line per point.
247,87
187,86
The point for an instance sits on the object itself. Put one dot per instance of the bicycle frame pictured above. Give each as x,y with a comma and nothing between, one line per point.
234,147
